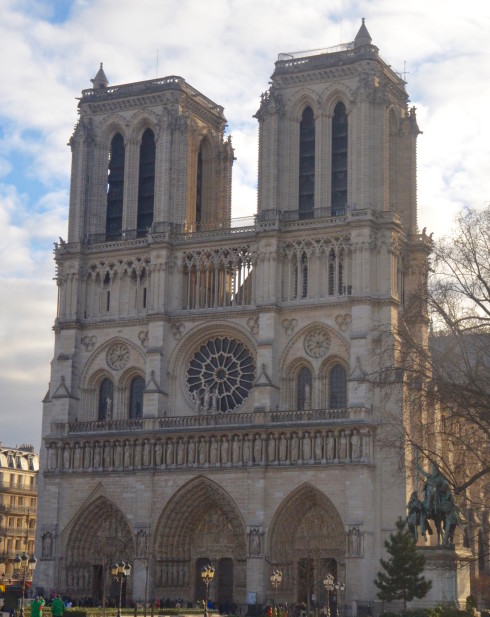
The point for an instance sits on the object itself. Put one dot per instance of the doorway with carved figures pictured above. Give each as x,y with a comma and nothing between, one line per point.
306,542
201,525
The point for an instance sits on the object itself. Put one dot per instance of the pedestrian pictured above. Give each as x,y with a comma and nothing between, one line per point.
57,606
37,606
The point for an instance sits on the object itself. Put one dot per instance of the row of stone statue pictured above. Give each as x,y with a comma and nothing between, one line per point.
307,447
437,505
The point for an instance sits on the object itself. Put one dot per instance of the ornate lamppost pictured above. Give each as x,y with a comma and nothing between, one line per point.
24,566
276,580
332,586
120,572
207,575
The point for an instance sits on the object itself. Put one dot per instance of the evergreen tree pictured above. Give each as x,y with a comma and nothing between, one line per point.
402,577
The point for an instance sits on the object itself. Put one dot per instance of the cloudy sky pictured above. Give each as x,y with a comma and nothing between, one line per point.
49,50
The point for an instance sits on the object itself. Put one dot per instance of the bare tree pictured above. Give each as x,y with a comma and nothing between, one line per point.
444,378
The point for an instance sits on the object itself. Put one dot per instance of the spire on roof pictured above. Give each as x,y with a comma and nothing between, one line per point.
100,80
362,37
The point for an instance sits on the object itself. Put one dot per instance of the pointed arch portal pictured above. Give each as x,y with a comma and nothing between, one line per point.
99,536
306,541
201,524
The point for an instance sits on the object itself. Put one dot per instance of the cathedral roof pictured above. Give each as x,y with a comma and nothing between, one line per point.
100,80
362,37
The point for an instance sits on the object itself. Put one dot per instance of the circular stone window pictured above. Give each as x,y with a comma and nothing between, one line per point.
220,375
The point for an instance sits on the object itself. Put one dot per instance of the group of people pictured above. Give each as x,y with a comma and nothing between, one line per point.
57,606
437,505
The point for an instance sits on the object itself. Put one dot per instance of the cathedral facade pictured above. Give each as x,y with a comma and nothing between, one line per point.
208,400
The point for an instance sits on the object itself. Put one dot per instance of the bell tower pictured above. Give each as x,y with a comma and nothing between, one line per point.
336,135
147,155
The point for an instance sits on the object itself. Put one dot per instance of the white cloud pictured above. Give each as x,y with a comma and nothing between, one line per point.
226,49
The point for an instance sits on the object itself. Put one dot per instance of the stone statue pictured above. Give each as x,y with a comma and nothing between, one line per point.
207,399
307,396
158,454
355,446
246,450
97,456
202,452
271,449
146,454
213,452
306,447
108,408
127,455
214,401
415,508
283,449
235,450
318,447
169,459
224,451
257,449
197,401
330,447
191,453
137,455
66,458
342,446
294,448
180,453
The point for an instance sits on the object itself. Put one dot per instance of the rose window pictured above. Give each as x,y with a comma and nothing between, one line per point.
220,375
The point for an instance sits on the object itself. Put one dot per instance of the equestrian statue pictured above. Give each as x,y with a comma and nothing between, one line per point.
437,505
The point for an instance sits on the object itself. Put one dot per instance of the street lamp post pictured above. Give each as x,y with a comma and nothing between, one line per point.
276,580
24,566
120,571
207,575
332,586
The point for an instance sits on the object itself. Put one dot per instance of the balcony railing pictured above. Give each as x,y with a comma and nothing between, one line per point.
225,420
16,509
18,488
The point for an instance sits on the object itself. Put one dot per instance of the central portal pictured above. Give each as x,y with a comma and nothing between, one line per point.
201,526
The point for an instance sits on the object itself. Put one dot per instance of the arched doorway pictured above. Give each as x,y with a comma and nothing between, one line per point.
306,542
99,536
201,525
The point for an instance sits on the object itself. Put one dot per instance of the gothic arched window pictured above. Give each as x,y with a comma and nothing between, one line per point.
338,387
115,188
136,391
146,185
303,389
339,160
306,201
106,398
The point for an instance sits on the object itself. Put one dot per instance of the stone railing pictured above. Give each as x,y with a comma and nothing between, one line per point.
226,420
172,82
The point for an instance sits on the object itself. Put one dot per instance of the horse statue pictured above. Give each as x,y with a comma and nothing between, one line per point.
438,506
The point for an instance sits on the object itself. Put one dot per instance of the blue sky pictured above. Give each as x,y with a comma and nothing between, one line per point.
226,49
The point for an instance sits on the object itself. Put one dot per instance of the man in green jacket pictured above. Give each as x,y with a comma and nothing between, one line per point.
57,607
37,606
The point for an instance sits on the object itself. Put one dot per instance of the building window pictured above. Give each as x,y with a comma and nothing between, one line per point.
115,188
304,275
303,389
146,186
338,387
136,391
220,375
339,160
306,202
106,397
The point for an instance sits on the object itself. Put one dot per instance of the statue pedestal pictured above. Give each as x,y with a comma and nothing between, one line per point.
449,570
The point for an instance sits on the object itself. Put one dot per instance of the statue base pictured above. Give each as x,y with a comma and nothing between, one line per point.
449,570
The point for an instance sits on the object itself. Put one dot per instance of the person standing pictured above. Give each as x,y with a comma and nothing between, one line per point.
57,606
37,606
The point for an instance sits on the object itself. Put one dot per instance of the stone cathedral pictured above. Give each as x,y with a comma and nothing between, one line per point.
208,400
